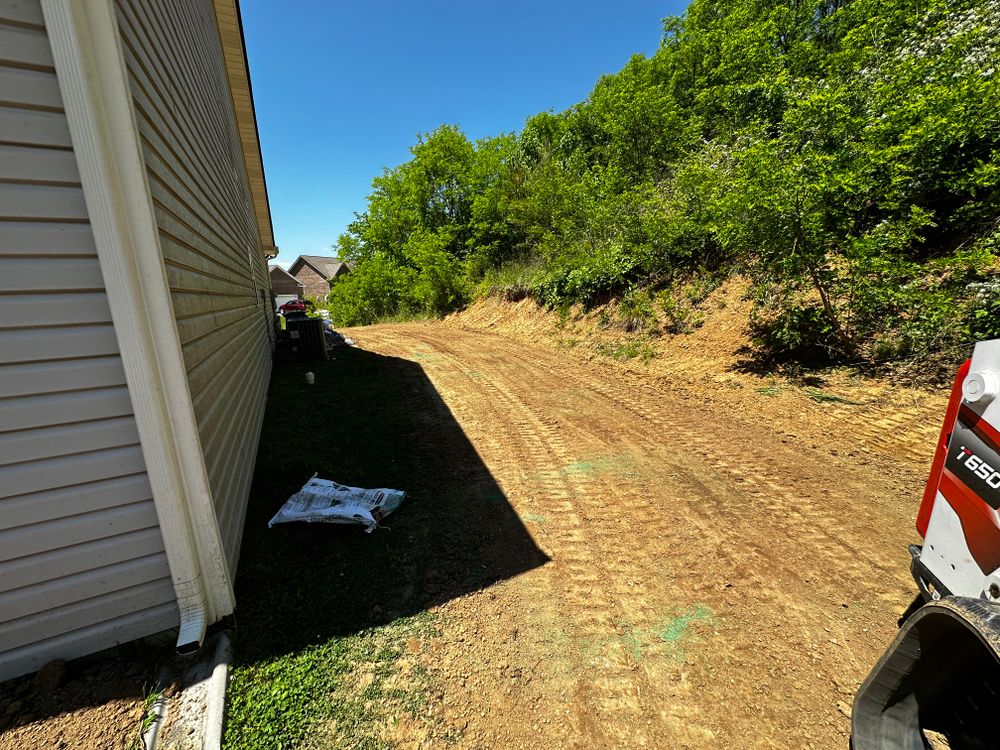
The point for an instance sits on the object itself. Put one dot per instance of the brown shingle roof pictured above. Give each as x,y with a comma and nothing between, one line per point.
325,265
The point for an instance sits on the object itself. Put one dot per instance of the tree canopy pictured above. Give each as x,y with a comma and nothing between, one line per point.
842,154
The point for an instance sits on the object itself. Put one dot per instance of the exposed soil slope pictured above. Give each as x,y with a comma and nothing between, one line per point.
726,565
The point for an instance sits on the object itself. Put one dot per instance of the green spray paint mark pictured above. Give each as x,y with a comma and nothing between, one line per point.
634,644
670,637
533,517
592,651
675,632
580,467
595,465
673,629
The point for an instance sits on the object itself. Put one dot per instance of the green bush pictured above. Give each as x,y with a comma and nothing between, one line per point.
802,334
377,287
438,286
681,315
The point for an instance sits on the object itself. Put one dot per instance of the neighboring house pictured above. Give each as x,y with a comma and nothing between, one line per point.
135,321
317,272
285,286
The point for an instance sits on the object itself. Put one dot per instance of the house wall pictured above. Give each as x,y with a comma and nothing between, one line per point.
315,284
208,232
82,565
282,285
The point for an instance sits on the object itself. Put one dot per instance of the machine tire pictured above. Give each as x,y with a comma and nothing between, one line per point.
941,674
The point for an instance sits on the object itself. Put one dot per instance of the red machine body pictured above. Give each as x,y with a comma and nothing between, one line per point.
939,681
934,478
959,515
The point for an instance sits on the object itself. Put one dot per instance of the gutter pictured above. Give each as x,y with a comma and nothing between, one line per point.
238,75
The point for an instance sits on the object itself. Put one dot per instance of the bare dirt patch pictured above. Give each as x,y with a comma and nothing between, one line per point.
726,563
96,705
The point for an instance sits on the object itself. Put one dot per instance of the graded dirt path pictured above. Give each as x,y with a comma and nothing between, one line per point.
711,584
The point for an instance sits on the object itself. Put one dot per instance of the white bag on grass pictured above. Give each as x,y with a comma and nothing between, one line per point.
321,500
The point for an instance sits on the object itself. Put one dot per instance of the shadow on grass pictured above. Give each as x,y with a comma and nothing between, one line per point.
369,421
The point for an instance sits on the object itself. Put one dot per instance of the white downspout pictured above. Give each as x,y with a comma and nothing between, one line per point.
93,80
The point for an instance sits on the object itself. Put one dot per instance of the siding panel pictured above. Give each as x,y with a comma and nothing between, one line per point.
135,589
193,327
38,164
78,558
27,88
145,620
33,378
65,440
82,565
53,473
34,128
27,238
208,234
76,500
48,202
26,47
32,345
34,542
21,11
45,274
37,310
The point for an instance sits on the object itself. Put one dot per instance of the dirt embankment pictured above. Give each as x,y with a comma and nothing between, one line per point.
835,410
727,550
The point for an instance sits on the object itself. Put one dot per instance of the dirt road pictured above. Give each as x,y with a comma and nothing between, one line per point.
712,584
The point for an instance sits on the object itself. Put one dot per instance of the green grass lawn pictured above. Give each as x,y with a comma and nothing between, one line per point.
324,613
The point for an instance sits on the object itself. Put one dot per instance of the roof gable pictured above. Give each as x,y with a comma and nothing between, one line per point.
281,274
326,266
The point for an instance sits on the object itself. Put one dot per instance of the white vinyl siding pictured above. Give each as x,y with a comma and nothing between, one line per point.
208,234
82,565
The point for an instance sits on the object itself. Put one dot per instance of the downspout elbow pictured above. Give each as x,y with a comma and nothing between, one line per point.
193,616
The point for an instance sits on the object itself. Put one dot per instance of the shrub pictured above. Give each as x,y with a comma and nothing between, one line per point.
635,311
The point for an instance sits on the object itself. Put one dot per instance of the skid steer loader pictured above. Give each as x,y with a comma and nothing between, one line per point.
938,684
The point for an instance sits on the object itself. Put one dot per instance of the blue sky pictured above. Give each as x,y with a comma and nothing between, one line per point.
343,87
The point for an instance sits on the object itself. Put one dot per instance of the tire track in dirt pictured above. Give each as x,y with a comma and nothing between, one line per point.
758,477
907,432
746,560
832,524
588,603
883,418
623,566
733,515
